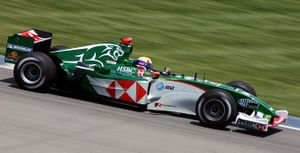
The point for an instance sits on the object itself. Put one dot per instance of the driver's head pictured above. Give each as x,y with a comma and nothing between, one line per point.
144,63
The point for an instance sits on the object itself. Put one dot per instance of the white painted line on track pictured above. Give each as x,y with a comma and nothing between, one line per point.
7,66
289,127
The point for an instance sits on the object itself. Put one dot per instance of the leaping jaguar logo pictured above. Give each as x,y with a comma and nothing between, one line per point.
92,57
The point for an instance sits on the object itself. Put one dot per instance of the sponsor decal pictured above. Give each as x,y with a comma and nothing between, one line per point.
13,55
169,87
7,59
248,103
112,51
163,105
126,90
267,116
93,55
160,86
140,73
250,125
20,48
157,104
261,127
124,71
246,124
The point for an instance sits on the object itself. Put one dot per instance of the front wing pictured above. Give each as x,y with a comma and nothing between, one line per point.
257,122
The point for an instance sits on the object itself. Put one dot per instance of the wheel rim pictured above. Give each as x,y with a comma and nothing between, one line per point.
31,73
214,110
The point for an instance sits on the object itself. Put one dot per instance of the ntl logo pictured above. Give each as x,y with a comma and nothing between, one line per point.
160,86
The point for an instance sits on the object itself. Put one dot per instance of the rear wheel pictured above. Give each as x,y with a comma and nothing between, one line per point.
216,108
243,86
59,82
35,71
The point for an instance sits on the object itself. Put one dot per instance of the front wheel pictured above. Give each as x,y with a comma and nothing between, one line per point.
35,71
243,86
216,108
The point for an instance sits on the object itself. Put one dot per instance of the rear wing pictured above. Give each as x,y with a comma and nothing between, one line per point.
25,42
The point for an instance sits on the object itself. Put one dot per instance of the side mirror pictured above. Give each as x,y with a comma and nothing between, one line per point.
155,75
143,73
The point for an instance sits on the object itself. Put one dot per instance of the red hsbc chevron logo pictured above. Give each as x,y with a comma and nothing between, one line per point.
132,91
111,90
140,92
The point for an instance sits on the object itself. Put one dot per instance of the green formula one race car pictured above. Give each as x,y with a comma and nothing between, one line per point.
105,69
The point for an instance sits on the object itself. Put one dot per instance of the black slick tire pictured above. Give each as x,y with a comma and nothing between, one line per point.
243,86
216,108
35,71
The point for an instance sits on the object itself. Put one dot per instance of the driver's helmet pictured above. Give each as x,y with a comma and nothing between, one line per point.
144,63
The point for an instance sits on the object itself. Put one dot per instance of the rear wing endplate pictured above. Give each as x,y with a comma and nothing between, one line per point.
25,42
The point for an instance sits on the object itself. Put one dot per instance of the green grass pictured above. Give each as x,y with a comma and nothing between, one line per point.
257,40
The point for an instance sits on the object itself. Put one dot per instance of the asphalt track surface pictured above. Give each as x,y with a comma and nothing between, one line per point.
58,123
